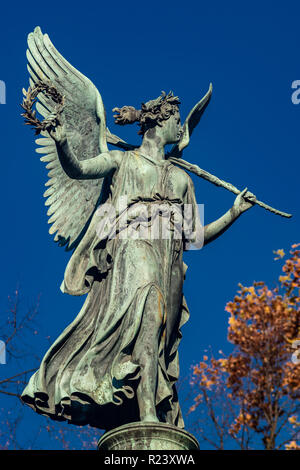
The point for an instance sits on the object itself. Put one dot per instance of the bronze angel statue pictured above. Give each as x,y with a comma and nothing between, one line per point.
117,362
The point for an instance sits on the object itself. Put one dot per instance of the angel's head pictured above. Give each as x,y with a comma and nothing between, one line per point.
161,113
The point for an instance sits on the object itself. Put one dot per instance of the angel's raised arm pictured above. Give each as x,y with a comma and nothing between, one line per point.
92,168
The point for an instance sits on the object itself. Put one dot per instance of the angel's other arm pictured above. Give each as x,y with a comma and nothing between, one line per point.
92,168
219,226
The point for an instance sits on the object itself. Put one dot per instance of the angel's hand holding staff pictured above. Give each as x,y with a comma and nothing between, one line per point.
244,201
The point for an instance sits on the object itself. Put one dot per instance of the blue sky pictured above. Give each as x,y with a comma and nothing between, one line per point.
249,136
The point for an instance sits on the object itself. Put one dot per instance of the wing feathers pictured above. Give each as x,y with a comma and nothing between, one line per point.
44,141
46,149
68,190
36,58
61,61
70,202
49,157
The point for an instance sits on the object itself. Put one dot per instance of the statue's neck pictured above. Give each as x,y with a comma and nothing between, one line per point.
153,145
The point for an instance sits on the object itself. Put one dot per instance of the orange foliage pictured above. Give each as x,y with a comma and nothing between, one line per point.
262,380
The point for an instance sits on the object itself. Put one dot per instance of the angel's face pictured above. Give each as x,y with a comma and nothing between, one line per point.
172,129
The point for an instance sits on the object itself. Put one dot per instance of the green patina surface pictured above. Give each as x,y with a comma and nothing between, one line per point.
117,362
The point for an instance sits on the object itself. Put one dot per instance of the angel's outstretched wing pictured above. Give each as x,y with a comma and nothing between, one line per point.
72,202
190,123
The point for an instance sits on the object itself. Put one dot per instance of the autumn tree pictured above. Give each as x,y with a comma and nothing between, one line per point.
20,343
250,398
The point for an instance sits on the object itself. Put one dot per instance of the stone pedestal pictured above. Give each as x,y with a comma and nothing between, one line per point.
147,436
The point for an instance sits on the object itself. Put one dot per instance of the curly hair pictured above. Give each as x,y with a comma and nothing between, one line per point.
152,113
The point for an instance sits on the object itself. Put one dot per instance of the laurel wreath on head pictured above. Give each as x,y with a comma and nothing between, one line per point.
30,98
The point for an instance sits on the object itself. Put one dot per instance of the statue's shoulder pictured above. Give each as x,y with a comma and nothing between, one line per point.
119,156
181,172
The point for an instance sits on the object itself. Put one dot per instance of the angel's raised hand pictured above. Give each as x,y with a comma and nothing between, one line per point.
244,201
58,134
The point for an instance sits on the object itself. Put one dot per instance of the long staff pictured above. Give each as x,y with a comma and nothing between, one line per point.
218,182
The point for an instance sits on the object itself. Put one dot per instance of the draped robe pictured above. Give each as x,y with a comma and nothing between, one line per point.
91,373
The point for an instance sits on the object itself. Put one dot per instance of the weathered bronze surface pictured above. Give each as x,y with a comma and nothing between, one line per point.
117,362
147,436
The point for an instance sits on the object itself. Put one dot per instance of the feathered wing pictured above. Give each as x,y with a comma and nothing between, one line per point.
71,202
190,123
